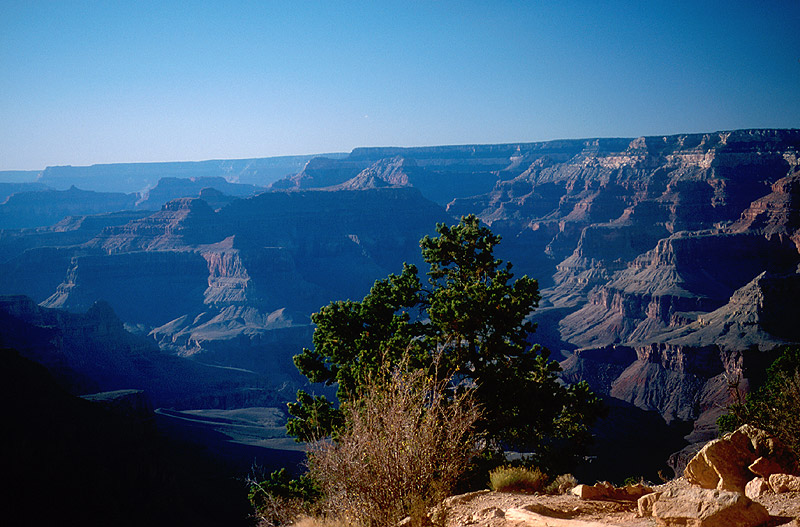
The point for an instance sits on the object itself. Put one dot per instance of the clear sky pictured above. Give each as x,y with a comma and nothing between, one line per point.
106,81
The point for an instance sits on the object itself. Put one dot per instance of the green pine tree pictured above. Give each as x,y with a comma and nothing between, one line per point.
470,324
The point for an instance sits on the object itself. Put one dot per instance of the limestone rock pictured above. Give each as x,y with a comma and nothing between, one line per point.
729,463
756,488
764,467
722,463
708,508
591,492
646,502
604,490
634,492
784,483
764,445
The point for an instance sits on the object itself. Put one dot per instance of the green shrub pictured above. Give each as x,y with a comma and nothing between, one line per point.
471,320
634,480
775,406
280,499
517,479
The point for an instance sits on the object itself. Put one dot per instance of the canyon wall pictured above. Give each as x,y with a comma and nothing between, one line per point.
668,265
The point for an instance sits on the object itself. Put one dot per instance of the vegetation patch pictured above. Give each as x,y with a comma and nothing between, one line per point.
406,444
774,406
517,479
434,383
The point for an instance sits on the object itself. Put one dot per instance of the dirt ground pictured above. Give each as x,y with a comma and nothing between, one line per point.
496,509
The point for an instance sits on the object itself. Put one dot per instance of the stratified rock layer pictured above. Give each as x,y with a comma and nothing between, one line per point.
668,264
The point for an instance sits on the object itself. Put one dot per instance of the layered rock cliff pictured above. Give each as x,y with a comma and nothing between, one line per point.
668,264
635,239
36,208
236,286
93,352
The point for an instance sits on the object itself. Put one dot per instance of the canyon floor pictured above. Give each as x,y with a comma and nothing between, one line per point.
502,509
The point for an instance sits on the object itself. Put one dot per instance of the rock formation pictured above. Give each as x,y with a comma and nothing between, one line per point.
708,508
668,264
38,208
92,352
226,285
723,483
136,177
170,188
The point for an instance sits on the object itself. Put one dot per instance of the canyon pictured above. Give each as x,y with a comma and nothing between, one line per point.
668,266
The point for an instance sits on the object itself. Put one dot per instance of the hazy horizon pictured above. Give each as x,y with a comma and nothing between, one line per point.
92,83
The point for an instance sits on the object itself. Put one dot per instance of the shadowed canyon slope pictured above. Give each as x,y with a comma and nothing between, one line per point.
669,264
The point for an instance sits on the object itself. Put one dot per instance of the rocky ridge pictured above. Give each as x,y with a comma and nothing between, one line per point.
651,248
245,277
668,264
93,352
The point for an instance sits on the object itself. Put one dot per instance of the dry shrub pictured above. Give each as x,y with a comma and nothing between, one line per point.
276,511
562,484
279,499
407,441
517,479
308,521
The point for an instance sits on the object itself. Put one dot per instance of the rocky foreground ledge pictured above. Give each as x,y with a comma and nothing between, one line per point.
742,480
502,509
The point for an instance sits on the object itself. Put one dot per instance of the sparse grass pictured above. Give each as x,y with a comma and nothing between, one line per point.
517,479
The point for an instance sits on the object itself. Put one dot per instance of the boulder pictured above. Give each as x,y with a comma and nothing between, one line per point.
597,491
765,467
646,502
722,463
634,492
772,455
699,507
756,488
784,483
606,491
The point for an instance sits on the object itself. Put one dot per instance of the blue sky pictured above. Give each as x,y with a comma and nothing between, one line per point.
100,82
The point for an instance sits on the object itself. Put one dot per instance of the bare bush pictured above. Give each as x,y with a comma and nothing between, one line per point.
276,511
407,441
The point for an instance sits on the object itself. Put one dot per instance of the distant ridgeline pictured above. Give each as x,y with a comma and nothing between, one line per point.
668,264
135,177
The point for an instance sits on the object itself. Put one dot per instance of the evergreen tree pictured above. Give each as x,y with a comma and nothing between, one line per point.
470,325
